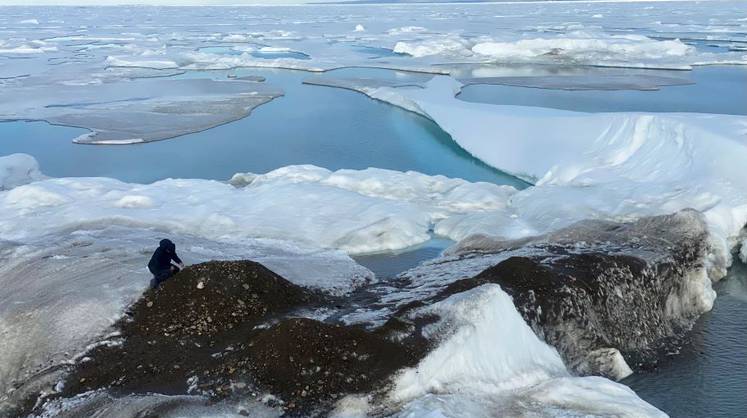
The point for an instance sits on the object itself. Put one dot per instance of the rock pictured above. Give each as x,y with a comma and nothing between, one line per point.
181,333
607,295
314,346
198,323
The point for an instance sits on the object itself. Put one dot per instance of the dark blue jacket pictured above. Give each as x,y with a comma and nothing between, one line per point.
162,257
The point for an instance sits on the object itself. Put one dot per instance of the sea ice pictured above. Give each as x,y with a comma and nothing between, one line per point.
140,110
490,363
618,166
70,48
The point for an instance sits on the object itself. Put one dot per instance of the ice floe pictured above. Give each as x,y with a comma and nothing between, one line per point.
489,362
140,110
618,166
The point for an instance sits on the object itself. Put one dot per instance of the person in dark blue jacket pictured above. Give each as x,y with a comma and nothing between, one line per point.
160,264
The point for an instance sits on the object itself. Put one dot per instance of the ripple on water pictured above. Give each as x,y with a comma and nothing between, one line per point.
708,378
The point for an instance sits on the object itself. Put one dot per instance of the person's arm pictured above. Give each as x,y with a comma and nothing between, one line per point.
177,260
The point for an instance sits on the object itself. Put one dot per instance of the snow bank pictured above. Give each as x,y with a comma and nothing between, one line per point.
18,169
473,355
624,50
356,211
37,47
163,64
490,363
453,46
618,166
573,48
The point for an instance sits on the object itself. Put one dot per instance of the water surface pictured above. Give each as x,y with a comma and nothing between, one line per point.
327,127
716,89
708,378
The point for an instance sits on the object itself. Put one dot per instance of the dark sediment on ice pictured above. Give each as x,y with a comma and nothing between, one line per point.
598,287
224,328
606,295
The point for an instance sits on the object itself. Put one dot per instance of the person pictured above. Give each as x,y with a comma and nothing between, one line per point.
160,264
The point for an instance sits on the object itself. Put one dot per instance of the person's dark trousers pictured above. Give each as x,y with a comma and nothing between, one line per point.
162,275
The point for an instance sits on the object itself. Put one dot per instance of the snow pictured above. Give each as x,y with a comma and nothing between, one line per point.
572,48
468,358
18,169
443,46
627,50
141,63
490,363
617,166
27,49
358,212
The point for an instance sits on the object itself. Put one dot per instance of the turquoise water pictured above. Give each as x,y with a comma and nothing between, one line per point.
327,127
717,89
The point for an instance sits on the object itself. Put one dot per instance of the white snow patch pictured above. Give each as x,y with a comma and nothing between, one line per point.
490,363
26,49
134,201
406,30
29,197
17,170
474,355
452,45
351,406
356,211
113,61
